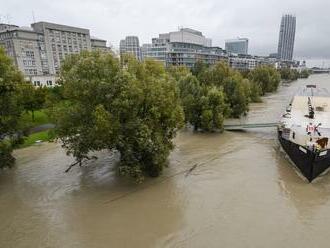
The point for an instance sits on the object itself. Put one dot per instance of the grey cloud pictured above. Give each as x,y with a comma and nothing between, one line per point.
257,20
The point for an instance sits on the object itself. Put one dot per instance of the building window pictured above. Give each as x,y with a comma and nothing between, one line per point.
29,54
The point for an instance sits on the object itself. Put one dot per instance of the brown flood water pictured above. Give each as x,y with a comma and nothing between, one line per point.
242,193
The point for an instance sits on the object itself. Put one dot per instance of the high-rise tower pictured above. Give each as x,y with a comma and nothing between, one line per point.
130,45
286,37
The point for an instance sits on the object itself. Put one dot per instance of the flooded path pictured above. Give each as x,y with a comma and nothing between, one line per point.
242,192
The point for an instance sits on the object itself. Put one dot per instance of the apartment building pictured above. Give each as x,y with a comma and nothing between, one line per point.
39,50
61,40
99,45
249,62
22,45
130,45
183,47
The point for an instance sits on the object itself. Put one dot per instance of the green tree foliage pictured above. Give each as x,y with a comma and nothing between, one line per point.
33,98
134,109
10,109
236,89
305,73
285,73
216,74
199,91
291,74
54,95
214,109
255,91
288,74
178,72
265,77
245,73
191,92
295,74
199,68
204,106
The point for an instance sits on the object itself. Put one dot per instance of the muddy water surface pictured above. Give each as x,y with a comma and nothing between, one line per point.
242,193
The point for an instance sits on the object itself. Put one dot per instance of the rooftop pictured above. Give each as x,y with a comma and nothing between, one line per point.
17,28
95,38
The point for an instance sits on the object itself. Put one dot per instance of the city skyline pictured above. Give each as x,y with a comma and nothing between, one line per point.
219,20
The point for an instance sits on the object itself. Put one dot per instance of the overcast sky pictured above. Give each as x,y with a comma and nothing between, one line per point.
258,20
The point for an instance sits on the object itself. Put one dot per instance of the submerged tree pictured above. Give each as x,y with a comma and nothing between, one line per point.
10,108
266,77
236,89
214,109
289,74
305,73
204,106
215,74
292,74
255,91
237,93
134,110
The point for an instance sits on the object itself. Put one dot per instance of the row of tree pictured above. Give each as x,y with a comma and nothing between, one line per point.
131,107
211,94
291,75
137,107
10,108
16,98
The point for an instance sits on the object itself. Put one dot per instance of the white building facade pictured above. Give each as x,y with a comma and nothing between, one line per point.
183,47
22,45
39,50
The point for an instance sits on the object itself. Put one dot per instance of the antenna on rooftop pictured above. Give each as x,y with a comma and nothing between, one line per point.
8,18
33,17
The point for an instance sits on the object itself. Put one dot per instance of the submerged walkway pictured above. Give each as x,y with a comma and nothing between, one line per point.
40,128
233,127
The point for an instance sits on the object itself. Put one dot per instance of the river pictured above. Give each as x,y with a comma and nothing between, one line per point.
242,193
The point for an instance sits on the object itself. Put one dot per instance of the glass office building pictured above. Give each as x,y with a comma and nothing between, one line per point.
237,46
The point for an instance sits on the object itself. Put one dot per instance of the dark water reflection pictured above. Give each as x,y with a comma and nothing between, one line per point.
243,192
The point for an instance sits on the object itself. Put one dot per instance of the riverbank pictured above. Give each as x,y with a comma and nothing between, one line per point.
39,128
36,138
43,132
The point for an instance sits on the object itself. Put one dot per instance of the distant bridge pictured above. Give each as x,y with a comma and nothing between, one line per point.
237,127
320,70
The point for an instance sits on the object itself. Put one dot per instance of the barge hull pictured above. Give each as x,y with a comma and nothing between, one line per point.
311,164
